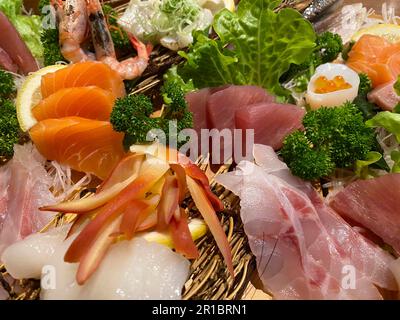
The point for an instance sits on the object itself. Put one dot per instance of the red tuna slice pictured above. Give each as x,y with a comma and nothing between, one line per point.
221,109
222,105
271,122
6,62
375,204
384,96
197,102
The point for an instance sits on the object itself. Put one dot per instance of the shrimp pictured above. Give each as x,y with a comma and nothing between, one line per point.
73,31
104,47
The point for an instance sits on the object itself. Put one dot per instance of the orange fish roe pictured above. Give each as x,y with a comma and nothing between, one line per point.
324,85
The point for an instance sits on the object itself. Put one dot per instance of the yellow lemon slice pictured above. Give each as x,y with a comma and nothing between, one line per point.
390,32
197,229
29,95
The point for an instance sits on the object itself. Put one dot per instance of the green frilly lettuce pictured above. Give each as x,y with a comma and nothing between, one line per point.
387,120
362,166
256,46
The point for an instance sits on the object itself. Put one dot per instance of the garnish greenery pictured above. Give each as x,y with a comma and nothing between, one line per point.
50,40
7,86
9,127
367,108
133,115
333,138
256,46
328,48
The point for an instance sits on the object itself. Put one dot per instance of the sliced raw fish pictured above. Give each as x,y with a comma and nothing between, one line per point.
6,62
131,270
12,43
303,248
375,204
83,74
24,187
197,102
376,57
384,96
271,122
85,145
214,109
86,102
222,105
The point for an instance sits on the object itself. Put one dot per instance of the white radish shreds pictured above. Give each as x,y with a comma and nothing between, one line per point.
388,143
63,186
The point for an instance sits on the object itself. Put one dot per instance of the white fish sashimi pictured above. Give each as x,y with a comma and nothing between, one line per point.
25,187
136,270
303,248
25,259
131,270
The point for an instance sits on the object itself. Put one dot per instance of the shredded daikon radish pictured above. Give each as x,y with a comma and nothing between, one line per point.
63,185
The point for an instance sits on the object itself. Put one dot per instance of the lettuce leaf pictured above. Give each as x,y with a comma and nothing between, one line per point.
395,156
256,46
387,120
29,27
362,166
11,8
397,86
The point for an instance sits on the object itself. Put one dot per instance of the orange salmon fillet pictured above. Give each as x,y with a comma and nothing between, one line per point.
377,58
86,102
85,145
82,74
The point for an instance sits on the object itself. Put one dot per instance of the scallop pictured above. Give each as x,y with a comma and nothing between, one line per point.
339,95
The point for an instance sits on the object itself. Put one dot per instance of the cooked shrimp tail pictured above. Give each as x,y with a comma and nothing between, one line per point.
58,10
73,30
104,47
102,41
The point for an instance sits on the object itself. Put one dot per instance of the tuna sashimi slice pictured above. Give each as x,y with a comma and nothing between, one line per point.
222,105
220,112
271,122
83,74
375,204
86,102
197,102
384,96
24,187
6,63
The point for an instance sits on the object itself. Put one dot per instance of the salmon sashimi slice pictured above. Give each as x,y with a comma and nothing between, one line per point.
83,74
376,57
85,145
86,102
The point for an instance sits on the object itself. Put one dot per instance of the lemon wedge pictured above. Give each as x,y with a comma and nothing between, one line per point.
390,32
217,5
30,95
197,229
